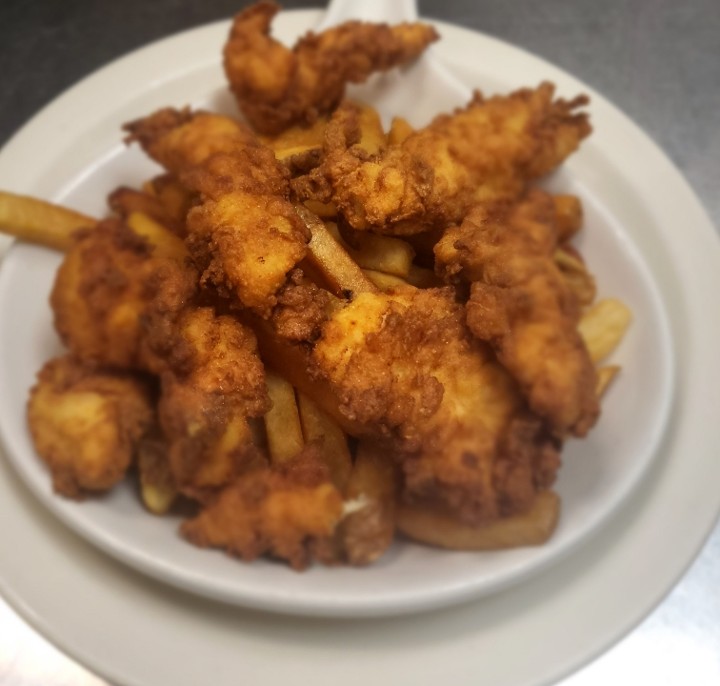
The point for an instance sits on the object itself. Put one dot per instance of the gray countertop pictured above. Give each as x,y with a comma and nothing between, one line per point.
657,60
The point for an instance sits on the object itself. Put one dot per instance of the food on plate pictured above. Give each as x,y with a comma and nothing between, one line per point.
276,86
475,157
307,335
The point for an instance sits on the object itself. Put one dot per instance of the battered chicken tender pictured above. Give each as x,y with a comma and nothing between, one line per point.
86,424
484,153
290,513
213,382
110,286
245,235
277,87
522,305
405,368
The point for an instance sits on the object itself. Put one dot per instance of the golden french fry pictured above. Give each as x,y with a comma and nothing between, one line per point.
421,277
369,527
297,139
321,209
342,274
37,221
166,243
568,216
157,488
381,253
577,276
603,326
317,425
605,375
384,281
282,421
423,524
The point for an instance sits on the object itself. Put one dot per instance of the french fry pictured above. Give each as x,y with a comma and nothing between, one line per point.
422,277
343,276
577,276
384,281
317,425
166,243
380,253
282,421
37,221
322,209
605,375
297,139
372,136
603,326
368,529
157,488
431,527
124,201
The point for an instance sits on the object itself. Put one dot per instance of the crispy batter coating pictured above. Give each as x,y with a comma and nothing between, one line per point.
521,304
277,87
404,367
289,513
486,152
245,235
214,381
86,424
111,285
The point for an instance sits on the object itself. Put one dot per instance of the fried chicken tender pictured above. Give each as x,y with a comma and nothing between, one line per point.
86,424
521,304
213,383
244,235
289,512
110,286
277,87
406,369
487,152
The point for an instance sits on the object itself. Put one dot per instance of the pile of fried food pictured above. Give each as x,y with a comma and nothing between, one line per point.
318,334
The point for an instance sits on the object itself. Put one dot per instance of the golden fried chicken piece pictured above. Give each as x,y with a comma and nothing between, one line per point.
521,304
111,285
407,371
245,235
277,87
289,512
484,153
86,424
213,382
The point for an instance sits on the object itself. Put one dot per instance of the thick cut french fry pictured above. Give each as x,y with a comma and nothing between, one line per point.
422,277
605,375
372,136
322,209
368,529
577,276
292,362
297,139
165,242
282,421
342,274
157,488
125,201
37,221
534,527
318,426
384,281
380,253
603,326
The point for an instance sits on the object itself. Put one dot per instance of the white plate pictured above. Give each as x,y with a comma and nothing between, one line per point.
561,616
598,473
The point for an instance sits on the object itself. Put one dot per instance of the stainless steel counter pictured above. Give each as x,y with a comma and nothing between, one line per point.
658,60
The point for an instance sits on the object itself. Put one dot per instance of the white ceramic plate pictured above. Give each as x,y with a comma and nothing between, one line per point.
98,610
598,473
